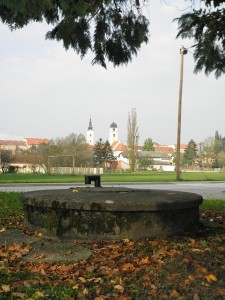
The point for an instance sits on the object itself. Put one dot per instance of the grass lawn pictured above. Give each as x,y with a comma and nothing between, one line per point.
125,177
183,268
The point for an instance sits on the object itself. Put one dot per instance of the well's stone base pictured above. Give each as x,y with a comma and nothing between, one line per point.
111,213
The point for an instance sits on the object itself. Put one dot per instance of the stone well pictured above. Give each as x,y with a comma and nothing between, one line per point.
111,213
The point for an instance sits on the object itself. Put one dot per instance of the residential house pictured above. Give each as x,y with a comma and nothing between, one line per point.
159,161
35,142
11,146
165,149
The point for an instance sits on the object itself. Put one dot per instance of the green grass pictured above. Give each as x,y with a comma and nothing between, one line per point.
152,176
9,204
214,206
11,212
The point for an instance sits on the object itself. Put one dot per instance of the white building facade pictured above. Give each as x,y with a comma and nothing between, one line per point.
113,133
90,134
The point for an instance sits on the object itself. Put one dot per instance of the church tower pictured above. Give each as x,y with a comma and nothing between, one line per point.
90,134
113,133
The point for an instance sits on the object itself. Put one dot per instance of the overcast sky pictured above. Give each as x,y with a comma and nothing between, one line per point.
47,92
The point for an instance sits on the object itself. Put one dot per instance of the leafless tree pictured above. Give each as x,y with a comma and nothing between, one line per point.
132,139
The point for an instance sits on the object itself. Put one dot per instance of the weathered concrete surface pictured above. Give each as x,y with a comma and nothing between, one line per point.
45,250
111,213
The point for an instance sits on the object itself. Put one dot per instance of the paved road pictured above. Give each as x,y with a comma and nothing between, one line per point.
209,190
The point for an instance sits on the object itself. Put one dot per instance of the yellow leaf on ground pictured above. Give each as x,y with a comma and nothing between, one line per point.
76,287
38,234
144,260
39,294
154,243
192,241
222,249
210,277
82,279
85,291
5,288
191,277
172,277
43,272
18,295
64,268
119,287
174,294
128,267
3,254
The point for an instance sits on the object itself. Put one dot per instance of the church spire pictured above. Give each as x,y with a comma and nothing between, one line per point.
90,133
90,127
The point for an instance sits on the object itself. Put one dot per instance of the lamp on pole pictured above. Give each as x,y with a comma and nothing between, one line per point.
183,51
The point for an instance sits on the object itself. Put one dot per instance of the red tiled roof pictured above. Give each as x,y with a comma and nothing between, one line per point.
164,149
118,146
114,144
183,146
36,141
121,147
12,143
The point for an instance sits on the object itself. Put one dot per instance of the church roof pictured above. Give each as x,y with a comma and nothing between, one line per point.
118,146
36,141
113,125
90,127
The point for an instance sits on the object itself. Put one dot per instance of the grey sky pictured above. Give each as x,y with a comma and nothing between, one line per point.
47,92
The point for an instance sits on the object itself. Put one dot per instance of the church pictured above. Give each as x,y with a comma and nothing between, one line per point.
117,147
113,134
160,160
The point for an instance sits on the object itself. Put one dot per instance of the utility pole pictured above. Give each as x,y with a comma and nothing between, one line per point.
183,51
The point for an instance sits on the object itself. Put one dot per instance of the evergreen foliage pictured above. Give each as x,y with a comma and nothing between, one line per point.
103,153
219,151
190,153
207,28
219,145
113,30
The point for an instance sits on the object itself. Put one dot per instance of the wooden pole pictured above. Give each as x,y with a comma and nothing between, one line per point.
182,52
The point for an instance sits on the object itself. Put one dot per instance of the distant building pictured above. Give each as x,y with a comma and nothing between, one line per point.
164,149
113,133
160,161
118,148
13,146
35,142
182,147
90,134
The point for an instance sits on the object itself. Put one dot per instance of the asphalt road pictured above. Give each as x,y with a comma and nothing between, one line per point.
208,190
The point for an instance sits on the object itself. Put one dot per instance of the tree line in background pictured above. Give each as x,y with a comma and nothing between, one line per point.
208,154
73,151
